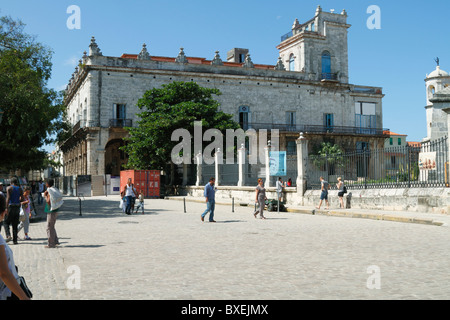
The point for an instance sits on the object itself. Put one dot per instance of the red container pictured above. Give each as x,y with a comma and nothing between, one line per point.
146,181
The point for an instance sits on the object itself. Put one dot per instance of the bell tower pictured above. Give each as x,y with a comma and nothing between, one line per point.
318,47
437,85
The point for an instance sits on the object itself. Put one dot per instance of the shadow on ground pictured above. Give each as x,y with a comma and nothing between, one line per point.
91,208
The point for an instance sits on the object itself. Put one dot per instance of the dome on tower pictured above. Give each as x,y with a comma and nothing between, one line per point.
438,73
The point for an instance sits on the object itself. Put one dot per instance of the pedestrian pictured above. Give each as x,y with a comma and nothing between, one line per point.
280,186
289,183
133,199
324,187
128,193
260,199
41,190
210,196
53,201
26,207
141,202
341,187
13,199
8,274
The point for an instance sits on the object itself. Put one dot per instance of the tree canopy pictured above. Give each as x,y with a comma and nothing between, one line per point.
174,106
32,112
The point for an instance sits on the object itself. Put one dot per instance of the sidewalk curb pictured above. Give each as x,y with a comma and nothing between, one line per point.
370,216
336,213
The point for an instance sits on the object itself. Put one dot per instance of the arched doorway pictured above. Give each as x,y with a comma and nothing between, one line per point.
114,157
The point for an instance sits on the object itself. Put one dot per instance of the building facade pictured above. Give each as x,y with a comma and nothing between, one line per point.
307,90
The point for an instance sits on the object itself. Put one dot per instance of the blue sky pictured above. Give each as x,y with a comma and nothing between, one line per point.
397,57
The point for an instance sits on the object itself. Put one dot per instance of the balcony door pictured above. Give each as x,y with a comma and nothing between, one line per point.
326,65
119,115
244,117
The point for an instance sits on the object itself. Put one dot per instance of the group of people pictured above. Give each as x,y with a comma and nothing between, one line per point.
260,198
325,187
128,198
16,203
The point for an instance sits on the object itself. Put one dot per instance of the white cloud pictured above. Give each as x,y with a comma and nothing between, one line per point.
72,61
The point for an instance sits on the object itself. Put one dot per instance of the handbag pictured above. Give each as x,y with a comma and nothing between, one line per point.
24,286
22,215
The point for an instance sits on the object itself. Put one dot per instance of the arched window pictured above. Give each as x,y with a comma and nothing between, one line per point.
431,91
326,65
291,63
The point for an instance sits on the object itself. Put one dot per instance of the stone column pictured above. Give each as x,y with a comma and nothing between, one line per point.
266,156
302,163
199,169
217,161
241,163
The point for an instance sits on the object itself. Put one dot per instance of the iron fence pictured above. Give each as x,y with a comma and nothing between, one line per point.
391,167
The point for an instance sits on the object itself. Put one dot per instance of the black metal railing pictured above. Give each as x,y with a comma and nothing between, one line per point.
120,123
317,129
287,36
392,167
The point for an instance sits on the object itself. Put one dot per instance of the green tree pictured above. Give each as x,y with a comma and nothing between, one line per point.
32,112
328,156
174,106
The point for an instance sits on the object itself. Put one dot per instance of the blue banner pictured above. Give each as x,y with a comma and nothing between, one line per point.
277,163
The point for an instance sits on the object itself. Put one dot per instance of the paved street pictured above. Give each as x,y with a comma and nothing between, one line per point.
169,254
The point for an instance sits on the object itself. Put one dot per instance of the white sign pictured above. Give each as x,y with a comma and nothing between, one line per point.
427,161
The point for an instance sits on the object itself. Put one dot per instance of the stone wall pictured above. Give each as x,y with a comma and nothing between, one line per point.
429,200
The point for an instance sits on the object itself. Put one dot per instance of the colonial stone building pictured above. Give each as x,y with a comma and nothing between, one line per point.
307,90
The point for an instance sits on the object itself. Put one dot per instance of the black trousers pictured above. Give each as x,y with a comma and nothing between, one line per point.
12,219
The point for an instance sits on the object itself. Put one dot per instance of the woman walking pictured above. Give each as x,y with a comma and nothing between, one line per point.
260,198
341,192
26,207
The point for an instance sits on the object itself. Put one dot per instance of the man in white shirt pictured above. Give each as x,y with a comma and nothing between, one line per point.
280,186
129,193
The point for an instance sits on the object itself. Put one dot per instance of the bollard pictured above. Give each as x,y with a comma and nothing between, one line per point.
79,199
184,202
232,205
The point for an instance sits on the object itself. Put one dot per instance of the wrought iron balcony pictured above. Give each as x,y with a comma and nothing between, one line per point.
120,123
317,129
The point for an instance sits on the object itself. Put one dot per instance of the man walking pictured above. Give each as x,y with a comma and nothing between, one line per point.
280,186
53,201
324,187
210,200
13,198
129,193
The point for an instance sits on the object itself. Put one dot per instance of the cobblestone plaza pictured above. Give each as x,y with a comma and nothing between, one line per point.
169,254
